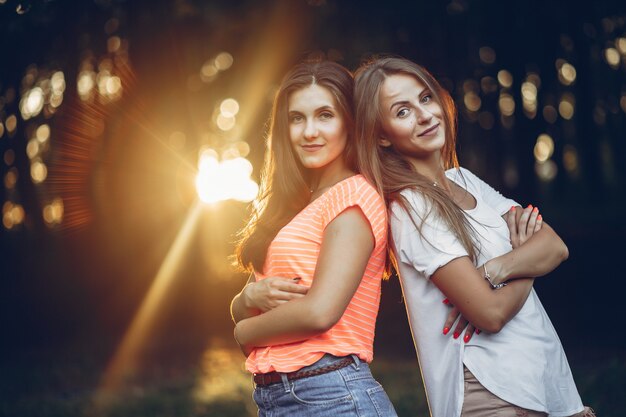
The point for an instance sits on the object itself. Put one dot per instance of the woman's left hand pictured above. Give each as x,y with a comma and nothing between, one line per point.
523,223
460,326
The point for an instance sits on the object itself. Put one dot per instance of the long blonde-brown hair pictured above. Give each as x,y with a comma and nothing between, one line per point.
284,189
390,171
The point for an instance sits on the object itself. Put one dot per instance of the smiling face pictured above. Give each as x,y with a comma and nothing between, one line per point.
316,128
412,120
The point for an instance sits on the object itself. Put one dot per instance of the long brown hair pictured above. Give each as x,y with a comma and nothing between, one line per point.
390,171
284,189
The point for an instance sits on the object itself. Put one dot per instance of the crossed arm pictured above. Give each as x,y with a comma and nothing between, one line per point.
537,250
535,253
346,248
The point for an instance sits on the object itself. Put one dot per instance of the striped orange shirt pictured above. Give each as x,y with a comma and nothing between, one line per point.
294,252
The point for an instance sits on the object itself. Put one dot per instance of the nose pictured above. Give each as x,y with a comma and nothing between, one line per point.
424,116
310,130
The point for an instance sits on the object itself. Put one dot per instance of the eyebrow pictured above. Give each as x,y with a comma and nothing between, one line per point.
398,103
317,110
405,102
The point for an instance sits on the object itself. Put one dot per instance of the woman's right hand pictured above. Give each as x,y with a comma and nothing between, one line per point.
523,223
271,292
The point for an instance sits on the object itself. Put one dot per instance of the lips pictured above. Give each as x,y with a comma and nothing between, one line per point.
312,148
430,130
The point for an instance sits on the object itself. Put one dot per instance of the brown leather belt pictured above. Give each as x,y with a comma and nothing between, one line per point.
274,377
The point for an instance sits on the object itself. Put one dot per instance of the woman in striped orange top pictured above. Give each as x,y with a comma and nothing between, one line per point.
318,239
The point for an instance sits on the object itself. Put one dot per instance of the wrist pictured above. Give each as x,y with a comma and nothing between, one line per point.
497,270
492,277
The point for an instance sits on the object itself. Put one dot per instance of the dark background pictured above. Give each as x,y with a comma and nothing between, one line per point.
72,292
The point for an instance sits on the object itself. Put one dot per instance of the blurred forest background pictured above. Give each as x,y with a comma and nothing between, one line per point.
131,137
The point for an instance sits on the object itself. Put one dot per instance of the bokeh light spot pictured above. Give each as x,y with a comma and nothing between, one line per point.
225,123
544,147
223,61
612,57
113,44
32,103
567,74
546,171
12,214
505,78
38,171
43,133
11,123
550,114
10,179
487,55
9,157
506,104
53,212
472,101
566,106
229,107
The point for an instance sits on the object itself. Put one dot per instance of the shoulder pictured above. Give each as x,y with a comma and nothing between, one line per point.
461,173
415,201
355,184
356,190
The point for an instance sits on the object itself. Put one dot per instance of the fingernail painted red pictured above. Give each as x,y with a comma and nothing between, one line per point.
477,331
446,330
535,209
446,301
466,338
512,208
530,205
539,217
456,335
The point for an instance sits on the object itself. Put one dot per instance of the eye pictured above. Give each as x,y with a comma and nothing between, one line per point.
295,118
403,112
427,98
326,115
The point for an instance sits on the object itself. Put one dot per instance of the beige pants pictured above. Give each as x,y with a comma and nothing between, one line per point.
479,402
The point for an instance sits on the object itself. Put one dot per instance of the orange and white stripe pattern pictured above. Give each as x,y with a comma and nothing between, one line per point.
294,252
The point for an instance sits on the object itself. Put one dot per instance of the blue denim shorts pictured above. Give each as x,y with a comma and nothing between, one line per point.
349,391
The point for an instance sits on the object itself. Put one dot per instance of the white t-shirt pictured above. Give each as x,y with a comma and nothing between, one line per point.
524,363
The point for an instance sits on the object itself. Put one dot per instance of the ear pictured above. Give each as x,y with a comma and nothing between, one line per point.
384,142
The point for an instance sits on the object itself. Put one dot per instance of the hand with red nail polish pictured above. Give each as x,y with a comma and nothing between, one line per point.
523,224
461,325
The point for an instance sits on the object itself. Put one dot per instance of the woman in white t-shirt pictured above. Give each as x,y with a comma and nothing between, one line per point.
451,242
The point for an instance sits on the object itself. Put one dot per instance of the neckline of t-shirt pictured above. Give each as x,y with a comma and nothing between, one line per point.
451,175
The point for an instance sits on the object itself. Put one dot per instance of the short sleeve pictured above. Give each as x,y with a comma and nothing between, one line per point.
489,195
356,191
429,250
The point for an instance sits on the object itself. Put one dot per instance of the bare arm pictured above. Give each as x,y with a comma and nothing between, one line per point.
346,247
257,297
537,250
487,309
238,308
